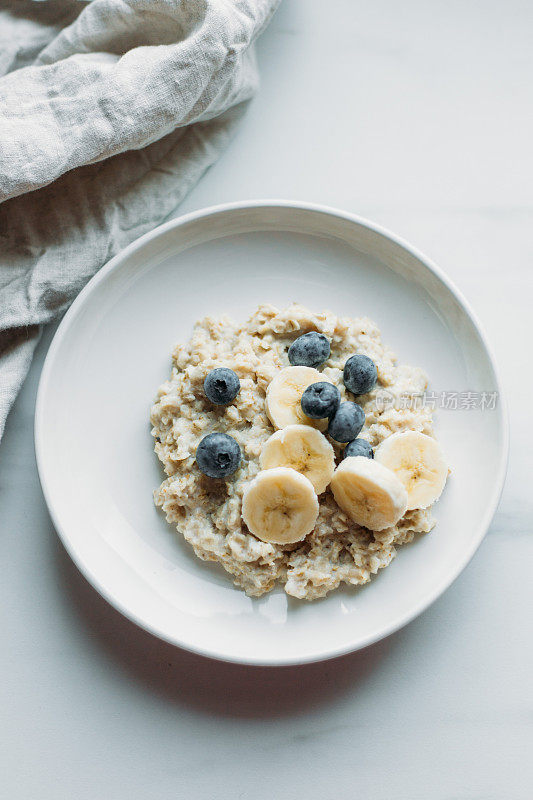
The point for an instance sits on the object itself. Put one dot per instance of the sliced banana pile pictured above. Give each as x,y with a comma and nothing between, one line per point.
279,505
284,394
419,463
304,449
369,493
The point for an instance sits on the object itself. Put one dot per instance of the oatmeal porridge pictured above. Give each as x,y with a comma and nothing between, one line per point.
282,461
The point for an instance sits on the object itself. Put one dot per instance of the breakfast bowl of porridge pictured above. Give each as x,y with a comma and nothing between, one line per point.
270,433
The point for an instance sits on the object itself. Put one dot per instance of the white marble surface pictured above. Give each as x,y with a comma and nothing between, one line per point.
419,116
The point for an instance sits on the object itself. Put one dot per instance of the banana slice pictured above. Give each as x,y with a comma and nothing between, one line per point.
418,461
304,449
369,493
284,394
280,506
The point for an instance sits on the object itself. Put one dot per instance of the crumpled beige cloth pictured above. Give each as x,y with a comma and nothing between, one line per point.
110,111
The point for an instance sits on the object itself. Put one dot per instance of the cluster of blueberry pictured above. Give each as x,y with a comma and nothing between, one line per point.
219,455
323,399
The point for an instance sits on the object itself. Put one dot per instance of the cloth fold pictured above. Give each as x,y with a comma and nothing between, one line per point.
110,111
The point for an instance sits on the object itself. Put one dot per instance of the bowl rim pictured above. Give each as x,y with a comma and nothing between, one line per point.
107,593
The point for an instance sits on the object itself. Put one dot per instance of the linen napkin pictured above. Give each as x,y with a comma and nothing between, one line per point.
110,111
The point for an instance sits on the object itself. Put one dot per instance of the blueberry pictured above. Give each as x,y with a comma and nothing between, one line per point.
360,374
320,400
309,350
218,455
359,447
221,386
347,422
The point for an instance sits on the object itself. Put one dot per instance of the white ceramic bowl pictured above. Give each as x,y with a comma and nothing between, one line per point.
111,352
